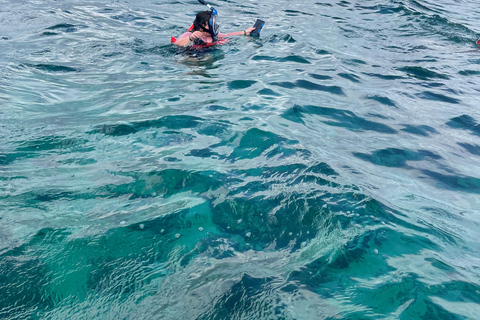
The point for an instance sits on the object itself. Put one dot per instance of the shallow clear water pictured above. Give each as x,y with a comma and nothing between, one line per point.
329,169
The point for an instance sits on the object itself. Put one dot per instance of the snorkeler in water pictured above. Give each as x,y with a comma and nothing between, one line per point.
204,31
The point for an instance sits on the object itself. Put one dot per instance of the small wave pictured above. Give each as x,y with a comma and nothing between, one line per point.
422,130
393,157
63,26
51,67
465,122
290,58
383,100
43,146
342,118
308,85
350,76
170,122
240,84
422,73
472,148
454,182
429,95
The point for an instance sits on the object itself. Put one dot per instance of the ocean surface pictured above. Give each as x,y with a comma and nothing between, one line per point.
329,169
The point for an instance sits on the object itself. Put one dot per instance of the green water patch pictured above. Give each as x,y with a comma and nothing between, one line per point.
342,118
57,268
393,157
363,255
22,277
262,214
349,269
131,261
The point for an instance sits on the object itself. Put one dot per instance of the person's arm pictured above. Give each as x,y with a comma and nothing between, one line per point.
186,38
237,33
185,41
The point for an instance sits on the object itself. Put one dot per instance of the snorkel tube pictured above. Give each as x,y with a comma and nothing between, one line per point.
205,4
212,24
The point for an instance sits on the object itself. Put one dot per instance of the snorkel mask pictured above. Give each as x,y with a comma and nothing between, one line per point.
212,24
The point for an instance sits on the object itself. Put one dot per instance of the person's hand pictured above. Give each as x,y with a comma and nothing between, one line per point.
249,30
195,35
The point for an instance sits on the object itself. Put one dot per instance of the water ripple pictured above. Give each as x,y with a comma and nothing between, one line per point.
327,169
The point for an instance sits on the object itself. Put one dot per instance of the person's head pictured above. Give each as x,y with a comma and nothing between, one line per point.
201,21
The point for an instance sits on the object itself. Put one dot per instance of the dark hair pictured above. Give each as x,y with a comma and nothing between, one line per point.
200,19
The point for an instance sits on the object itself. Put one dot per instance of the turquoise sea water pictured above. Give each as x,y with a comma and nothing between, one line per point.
329,169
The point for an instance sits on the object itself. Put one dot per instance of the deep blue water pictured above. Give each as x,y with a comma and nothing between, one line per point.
329,169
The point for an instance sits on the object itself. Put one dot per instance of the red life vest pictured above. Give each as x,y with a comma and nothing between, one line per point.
220,41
